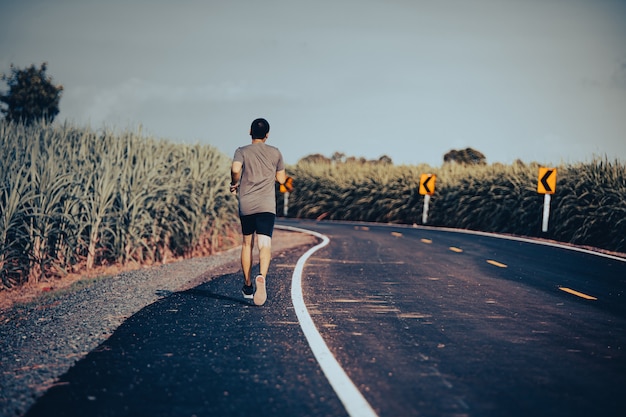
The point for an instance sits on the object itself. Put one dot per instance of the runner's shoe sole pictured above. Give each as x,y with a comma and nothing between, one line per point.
260,295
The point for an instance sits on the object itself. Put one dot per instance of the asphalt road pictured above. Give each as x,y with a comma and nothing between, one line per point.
424,323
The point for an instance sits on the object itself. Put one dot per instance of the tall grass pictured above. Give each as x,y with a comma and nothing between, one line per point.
588,208
73,198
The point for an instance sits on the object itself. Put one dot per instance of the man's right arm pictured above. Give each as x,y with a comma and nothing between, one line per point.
235,176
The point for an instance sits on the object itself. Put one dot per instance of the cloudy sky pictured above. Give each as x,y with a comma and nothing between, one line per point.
538,80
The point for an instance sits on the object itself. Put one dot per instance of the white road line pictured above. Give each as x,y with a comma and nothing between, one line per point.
352,399
522,239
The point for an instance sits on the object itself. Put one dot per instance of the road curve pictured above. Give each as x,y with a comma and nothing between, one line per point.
423,323
434,323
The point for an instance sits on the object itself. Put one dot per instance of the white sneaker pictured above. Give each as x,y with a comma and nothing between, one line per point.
260,295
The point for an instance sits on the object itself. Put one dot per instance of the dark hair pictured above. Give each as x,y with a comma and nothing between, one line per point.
259,129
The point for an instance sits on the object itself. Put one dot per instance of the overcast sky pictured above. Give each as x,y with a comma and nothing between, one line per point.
538,80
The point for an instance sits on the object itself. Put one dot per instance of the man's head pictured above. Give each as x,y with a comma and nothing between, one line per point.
259,129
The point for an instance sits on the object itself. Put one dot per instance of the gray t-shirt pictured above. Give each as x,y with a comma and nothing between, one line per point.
256,185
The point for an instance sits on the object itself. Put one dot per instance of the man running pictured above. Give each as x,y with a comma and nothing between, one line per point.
254,169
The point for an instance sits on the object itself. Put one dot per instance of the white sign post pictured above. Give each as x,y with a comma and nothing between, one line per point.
546,212
425,212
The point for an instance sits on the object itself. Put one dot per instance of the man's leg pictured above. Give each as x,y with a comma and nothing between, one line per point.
265,249
265,253
264,230
246,257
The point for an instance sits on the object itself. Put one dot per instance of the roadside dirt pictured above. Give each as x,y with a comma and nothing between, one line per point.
46,329
29,292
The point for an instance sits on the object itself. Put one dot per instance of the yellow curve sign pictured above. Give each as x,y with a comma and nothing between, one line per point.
427,184
547,181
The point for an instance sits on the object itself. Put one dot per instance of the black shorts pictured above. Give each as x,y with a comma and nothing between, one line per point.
261,223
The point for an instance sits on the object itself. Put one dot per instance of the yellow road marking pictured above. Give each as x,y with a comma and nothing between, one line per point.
384,310
414,316
396,234
454,249
347,261
578,294
361,228
426,240
496,263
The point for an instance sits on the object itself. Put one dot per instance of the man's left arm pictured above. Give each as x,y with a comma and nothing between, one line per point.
281,176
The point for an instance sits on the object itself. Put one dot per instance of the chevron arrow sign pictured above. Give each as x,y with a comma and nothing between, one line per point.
547,181
427,184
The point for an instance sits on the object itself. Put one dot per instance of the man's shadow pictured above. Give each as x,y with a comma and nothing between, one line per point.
168,352
209,294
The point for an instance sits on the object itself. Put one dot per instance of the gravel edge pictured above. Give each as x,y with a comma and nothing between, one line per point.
42,340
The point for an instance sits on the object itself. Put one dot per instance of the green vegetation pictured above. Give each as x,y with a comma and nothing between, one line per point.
589,207
72,199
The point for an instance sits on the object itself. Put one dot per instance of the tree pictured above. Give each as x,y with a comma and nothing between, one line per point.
316,158
385,160
467,156
32,96
338,157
